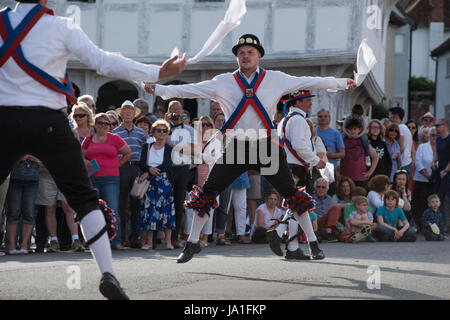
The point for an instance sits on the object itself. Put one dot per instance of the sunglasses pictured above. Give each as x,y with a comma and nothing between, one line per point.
321,187
206,125
412,127
114,123
393,130
81,115
161,130
101,123
401,171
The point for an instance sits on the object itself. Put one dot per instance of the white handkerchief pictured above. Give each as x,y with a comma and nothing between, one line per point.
232,19
364,62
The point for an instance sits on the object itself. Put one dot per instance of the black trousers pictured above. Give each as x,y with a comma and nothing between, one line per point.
305,179
128,218
419,203
181,179
45,133
241,156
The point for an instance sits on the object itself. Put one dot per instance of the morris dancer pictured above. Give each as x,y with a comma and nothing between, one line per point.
295,135
34,49
249,97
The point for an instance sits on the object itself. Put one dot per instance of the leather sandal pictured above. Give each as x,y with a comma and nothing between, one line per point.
221,241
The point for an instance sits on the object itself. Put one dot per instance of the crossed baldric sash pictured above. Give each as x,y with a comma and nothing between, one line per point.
11,48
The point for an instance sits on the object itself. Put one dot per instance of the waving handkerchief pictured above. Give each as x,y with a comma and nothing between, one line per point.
364,62
232,19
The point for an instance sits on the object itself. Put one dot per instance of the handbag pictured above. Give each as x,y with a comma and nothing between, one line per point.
139,189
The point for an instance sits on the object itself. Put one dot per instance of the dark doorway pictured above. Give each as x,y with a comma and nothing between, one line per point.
114,93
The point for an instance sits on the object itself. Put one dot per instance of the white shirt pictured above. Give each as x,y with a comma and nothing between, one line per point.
48,46
376,200
407,143
299,134
424,158
225,90
262,209
155,157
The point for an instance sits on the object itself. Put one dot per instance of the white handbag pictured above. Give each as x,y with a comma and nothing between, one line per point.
139,189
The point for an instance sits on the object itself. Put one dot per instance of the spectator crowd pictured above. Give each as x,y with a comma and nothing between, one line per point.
390,182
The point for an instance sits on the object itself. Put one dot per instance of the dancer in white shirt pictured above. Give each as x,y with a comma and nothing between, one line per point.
248,97
35,46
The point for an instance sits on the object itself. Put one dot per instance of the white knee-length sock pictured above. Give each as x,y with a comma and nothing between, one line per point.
196,227
305,222
293,230
91,224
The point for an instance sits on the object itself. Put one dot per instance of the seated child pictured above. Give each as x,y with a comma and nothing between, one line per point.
390,218
357,191
361,221
431,216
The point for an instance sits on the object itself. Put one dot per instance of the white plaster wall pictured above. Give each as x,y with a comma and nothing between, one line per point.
289,29
332,27
443,87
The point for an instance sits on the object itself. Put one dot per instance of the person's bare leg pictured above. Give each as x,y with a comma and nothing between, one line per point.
26,234
12,229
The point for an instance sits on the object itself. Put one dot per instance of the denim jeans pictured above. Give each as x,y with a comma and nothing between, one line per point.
385,234
20,202
108,189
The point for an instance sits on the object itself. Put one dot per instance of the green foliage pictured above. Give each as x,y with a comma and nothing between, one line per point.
379,111
421,84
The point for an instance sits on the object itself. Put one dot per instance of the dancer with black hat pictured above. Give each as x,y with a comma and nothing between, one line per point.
35,46
248,97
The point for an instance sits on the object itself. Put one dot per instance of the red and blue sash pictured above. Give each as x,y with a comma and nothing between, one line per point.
285,141
249,98
11,48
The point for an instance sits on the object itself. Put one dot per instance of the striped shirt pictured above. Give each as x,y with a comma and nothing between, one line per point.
135,139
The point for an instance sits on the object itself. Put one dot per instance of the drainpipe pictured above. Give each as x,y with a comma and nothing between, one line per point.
435,59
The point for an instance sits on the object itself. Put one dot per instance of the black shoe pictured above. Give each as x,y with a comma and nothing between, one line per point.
330,237
296,255
274,242
315,251
110,288
135,245
188,252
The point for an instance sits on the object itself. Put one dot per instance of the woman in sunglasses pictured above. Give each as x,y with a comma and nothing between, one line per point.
391,139
83,120
104,147
157,211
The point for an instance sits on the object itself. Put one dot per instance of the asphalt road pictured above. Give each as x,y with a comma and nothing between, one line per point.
419,270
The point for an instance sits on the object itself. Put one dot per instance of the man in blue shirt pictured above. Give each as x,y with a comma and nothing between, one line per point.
332,139
135,139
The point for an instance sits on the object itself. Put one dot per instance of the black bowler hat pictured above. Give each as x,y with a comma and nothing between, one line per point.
248,40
